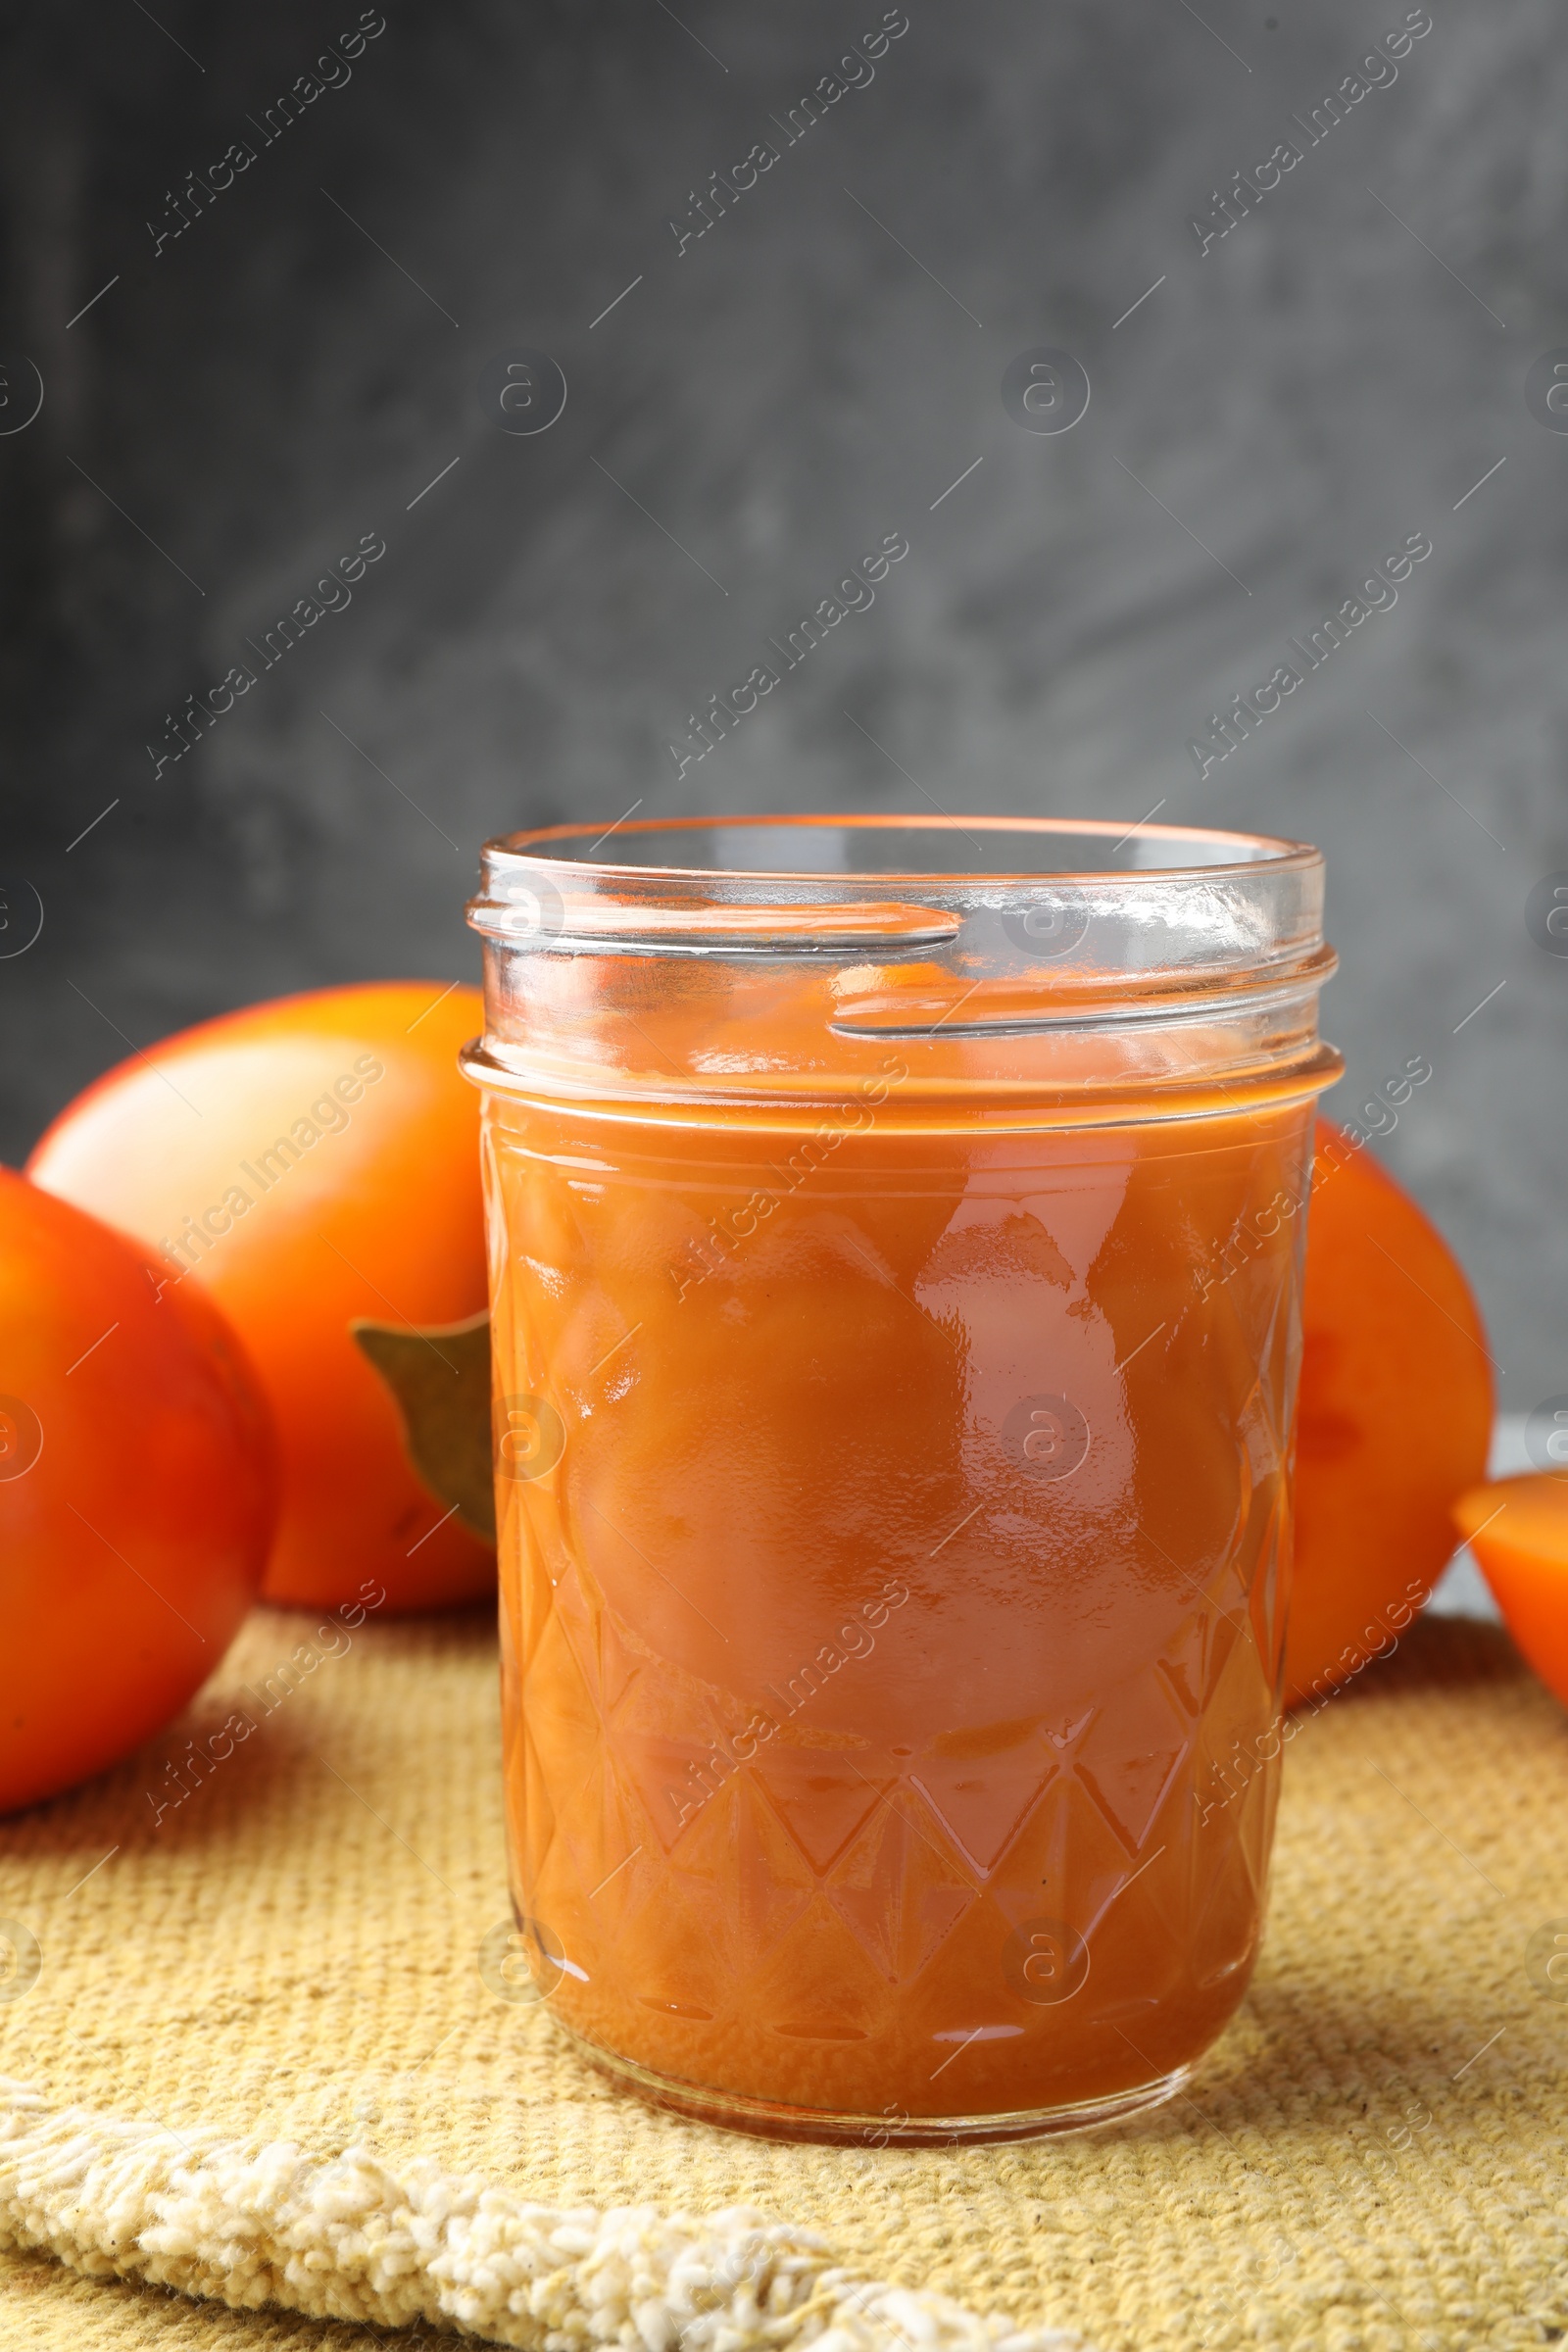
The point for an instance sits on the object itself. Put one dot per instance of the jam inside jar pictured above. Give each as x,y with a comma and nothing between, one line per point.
896,1242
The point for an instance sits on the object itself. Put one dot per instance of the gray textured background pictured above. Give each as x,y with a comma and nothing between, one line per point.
798,382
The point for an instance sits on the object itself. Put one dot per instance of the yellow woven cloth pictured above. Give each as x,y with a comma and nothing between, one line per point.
1372,2157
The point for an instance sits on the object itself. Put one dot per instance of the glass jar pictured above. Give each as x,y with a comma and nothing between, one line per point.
896,1248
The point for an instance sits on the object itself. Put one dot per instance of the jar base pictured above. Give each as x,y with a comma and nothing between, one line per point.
770,2118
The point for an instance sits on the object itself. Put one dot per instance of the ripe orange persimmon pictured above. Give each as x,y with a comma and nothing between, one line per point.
1395,1419
137,1492
308,1161
1518,1529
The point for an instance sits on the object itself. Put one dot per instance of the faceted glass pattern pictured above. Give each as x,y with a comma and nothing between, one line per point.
864,1768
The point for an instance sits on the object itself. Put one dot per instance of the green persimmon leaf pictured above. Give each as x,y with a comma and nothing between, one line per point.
440,1382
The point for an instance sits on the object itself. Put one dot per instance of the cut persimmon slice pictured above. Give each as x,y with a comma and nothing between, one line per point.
1518,1529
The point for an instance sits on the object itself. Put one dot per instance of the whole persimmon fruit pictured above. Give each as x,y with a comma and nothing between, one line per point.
1395,1419
305,1163
137,1492
1518,1529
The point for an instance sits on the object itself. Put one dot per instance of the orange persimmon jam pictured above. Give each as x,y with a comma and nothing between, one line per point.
892,1449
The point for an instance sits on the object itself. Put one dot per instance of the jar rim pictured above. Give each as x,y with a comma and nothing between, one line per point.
1232,853
879,934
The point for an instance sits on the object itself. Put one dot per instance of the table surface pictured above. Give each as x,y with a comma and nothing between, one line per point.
1371,2156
